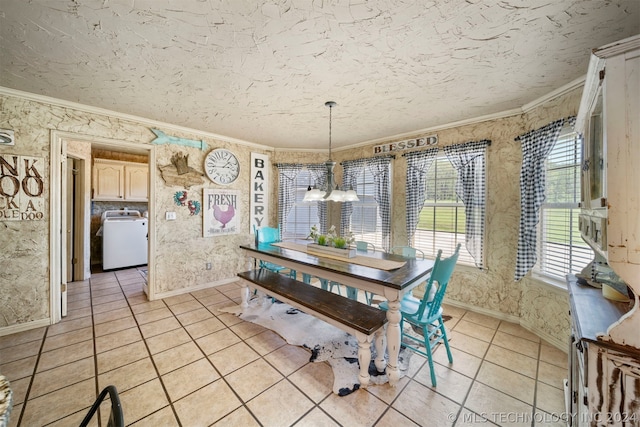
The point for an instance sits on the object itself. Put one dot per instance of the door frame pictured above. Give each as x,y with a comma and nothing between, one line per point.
57,204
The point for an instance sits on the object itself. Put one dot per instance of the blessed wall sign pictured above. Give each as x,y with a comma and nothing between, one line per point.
407,144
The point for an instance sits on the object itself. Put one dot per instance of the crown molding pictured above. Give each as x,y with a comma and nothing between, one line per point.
563,90
431,130
122,116
495,116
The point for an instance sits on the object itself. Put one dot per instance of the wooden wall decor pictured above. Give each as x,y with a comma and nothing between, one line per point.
179,174
163,138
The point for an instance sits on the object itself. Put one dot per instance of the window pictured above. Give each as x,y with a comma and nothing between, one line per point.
302,215
442,219
366,224
561,249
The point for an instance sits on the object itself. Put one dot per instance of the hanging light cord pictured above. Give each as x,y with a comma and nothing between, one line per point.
330,104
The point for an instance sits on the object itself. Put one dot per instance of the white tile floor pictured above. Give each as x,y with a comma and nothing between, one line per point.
182,362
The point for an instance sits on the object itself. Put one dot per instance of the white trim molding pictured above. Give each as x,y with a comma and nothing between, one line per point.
163,295
513,319
21,327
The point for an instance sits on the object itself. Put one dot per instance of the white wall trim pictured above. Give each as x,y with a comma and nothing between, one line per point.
148,122
563,346
496,314
122,116
55,218
55,273
195,288
563,90
21,327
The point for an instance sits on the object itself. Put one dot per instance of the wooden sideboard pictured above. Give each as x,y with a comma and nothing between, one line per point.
603,388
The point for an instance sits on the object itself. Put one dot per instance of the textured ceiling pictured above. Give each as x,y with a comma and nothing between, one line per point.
260,71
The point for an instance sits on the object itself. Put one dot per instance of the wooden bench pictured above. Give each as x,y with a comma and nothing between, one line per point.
360,320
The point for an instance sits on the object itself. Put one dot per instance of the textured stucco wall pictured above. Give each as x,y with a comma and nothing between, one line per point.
24,245
181,251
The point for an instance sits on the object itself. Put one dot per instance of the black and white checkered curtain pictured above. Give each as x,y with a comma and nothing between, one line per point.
536,146
380,168
287,174
418,164
469,161
351,171
319,173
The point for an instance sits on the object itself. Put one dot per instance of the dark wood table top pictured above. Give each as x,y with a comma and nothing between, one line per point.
399,278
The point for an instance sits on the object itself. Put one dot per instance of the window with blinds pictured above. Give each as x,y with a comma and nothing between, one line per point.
303,214
366,224
442,221
561,249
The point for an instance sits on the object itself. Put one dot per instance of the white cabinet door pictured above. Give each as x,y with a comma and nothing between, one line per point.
115,180
108,180
136,182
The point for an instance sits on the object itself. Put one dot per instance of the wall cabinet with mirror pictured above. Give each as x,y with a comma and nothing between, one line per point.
604,377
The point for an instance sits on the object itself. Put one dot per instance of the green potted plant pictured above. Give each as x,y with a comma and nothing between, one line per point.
340,242
331,243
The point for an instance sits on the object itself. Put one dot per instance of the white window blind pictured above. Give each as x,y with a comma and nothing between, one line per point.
366,224
442,221
302,215
561,249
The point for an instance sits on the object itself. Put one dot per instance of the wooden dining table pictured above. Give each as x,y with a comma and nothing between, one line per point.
398,277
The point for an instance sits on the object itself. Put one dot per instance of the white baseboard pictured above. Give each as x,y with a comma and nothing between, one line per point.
21,327
513,319
559,344
480,310
194,288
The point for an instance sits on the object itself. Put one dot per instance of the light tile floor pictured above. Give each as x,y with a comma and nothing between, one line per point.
181,361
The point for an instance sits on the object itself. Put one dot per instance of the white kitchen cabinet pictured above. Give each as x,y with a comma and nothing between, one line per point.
136,180
120,181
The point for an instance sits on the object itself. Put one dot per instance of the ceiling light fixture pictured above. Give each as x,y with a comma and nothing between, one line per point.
332,192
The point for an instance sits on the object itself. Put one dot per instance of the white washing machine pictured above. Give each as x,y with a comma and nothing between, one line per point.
124,239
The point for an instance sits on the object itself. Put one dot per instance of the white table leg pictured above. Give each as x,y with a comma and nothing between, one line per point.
364,358
244,293
381,348
393,341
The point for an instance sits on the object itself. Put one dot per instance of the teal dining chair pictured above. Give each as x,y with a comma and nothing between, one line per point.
426,314
352,293
266,235
407,252
363,246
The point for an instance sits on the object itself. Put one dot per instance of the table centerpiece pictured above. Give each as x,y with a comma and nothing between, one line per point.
331,243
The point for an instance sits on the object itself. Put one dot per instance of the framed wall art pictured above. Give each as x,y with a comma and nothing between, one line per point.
220,212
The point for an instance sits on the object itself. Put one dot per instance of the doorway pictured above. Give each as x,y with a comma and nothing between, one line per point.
70,211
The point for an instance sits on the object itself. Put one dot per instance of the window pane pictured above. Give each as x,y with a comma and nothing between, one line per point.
561,249
442,219
366,224
303,214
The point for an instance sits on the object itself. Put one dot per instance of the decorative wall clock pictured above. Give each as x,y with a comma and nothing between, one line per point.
221,166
